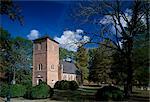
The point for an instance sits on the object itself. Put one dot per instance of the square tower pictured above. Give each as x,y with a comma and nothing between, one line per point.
45,61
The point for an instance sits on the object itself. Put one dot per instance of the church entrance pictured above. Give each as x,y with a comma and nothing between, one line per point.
39,79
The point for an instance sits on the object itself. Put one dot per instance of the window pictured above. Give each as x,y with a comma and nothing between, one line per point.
64,77
69,77
40,67
39,46
52,66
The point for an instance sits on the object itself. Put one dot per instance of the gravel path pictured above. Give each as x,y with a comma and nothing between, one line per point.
25,100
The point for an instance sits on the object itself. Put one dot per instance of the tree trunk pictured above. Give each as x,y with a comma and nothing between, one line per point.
128,83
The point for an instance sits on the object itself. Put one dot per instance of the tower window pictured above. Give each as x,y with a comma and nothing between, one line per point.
40,67
52,66
39,46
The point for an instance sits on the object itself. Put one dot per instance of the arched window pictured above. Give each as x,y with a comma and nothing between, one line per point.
52,66
40,67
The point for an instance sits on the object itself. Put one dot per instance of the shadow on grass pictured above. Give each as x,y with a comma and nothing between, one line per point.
139,99
140,96
78,96
88,95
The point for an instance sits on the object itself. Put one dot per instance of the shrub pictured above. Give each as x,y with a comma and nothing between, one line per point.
57,85
4,89
40,91
62,85
108,93
73,85
65,85
17,90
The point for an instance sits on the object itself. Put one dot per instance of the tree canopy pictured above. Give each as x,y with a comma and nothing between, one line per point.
118,25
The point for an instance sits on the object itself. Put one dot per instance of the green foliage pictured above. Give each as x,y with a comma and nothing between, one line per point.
15,57
118,70
100,64
141,60
40,91
63,54
65,85
62,85
16,90
73,85
7,7
24,76
82,59
57,85
4,89
109,93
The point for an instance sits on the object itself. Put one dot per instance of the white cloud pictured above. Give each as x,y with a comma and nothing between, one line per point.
79,31
109,20
71,40
34,34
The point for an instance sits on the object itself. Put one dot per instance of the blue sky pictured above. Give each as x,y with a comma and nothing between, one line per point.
48,17
44,17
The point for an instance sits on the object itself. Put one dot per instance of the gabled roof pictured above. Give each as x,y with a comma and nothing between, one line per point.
69,67
44,37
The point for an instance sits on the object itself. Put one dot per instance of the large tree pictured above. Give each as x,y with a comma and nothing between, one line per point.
82,62
118,23
100,64
10,9
15,54
63,54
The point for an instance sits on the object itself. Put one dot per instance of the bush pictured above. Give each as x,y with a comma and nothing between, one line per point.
108,93
57,85
4,89
73,85
16,90
65,85
40,91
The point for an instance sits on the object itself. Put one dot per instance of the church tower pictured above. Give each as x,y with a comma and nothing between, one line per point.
45,61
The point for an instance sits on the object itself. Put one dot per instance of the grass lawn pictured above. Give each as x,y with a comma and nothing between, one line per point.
85,94
140,96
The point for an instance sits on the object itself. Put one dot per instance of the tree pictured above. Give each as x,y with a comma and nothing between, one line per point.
82,62
112,19
22,54
141,58
15,54
100,65
63,54
7,7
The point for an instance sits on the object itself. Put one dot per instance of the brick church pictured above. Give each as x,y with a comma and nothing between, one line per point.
46,64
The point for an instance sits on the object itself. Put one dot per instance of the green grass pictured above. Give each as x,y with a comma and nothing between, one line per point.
140,95
87,94
80,95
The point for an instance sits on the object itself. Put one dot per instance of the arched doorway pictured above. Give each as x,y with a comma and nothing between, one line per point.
39,79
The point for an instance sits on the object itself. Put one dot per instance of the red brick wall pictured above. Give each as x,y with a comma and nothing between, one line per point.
48,56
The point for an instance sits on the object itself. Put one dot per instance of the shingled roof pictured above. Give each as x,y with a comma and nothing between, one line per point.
69,67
